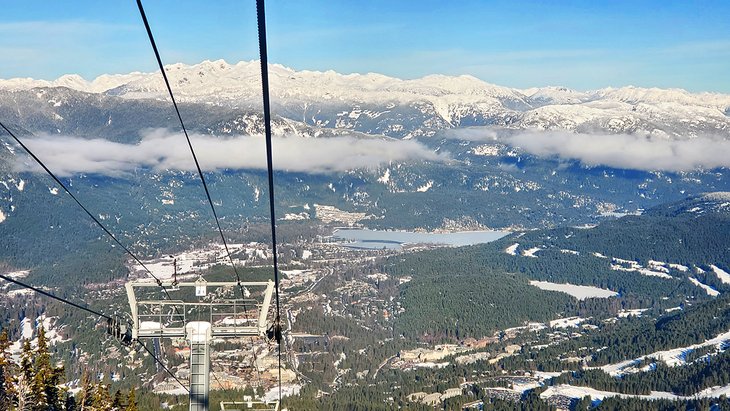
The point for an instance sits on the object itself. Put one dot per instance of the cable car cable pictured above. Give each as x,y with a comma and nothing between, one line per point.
96,220
187,137
163,366
55,297
261,22
89,310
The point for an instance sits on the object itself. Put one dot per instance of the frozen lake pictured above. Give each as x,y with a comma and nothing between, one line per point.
374,239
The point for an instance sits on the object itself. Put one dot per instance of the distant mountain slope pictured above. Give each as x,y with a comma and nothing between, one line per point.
377,104
65,111
678,255
692,231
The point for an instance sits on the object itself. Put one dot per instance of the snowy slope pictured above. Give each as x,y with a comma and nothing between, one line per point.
375,103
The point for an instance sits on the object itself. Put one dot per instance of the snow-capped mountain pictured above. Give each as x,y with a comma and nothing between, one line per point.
377,104
517,186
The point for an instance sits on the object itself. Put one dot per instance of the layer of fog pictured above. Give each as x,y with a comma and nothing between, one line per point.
162,150
628,151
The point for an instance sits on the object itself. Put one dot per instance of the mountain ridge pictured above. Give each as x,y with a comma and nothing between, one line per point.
378,104
106,82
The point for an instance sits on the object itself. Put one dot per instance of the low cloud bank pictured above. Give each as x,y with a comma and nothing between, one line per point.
628,151
161,150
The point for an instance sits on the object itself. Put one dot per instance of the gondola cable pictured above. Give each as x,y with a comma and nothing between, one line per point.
55,297
91,311
163,366
267,119
190,144
261,22
86,210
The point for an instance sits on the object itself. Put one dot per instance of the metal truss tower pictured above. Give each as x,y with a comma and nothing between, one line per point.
200,318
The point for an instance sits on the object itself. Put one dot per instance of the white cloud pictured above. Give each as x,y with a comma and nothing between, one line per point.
160,150
628,151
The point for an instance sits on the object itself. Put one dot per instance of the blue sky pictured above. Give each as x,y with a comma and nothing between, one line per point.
578,44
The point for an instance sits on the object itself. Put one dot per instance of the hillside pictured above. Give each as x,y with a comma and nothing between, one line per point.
671,255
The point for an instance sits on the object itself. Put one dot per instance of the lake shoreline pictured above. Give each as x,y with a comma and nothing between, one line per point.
358,238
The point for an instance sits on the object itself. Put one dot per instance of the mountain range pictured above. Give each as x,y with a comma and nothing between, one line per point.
438,153
374,103
462,168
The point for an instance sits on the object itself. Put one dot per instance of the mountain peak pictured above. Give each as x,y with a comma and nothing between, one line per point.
380,104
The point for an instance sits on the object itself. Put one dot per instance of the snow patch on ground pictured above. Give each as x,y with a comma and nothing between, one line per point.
512,250
22,291
655,268
658,266
17,274
631,313
709,290
580,392
566,322
385,178
485,150
673,357
28,329
531,252
680,267
286,391
580,292
651,273
296,217
425,187
723,275
2,216
337,363
571,391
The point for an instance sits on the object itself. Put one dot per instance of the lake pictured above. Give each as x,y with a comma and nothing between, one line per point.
374,239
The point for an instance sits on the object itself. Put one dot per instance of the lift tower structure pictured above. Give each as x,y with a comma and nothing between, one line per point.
200,318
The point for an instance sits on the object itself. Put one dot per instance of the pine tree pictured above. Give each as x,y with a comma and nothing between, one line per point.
7,370
26,400
131,401
118,402
46,377
41,371
70,402
102,398
86,395
7,388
